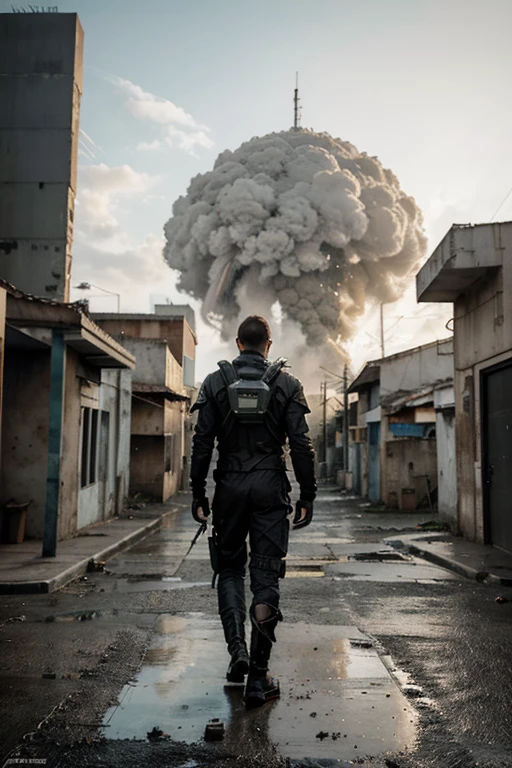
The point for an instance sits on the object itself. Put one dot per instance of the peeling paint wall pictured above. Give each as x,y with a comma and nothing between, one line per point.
70,450
25,433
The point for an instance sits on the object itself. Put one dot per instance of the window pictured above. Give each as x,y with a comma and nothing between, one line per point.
89,446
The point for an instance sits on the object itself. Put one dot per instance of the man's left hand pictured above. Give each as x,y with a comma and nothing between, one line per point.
200,509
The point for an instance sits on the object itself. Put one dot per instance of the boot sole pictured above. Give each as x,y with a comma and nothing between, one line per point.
238,672
254,700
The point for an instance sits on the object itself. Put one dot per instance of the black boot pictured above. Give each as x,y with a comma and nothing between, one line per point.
261,686
239,664
231,596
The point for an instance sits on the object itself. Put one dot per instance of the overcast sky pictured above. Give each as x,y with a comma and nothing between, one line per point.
422,84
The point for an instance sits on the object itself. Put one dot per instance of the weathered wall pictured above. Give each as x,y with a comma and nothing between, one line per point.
151,358
147,418
174,425
3,304
70,451
124,408
446,466
174,373
483,333
25,433
415,368
408,462
40,90
147,466
473,267
175,331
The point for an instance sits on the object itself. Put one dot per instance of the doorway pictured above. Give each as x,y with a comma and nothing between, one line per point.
497,455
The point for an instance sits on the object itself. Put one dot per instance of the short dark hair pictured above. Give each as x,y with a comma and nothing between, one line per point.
254,332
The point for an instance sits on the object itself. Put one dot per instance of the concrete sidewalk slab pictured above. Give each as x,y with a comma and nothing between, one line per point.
24,571
475,561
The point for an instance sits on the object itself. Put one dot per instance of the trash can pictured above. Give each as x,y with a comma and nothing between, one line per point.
15,520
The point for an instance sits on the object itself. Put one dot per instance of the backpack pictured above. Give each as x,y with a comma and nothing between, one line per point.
249,397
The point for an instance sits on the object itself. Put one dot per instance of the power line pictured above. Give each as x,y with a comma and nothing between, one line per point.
502,203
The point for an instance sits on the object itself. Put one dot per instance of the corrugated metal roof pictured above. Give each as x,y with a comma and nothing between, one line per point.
368,376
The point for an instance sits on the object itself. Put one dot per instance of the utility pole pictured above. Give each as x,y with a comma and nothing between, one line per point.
382,352
345,419
296,107
324,430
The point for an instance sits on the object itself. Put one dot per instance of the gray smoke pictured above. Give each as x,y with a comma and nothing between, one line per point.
299,218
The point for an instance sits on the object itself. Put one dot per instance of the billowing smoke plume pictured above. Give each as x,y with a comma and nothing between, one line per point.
299,218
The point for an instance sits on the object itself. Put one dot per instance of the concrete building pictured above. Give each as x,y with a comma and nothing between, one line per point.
40,91
472,268
164,346
395,447
66,394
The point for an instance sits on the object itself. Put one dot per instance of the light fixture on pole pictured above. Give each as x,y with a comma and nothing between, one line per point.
85,286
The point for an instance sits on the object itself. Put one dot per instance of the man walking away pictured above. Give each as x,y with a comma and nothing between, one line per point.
251,407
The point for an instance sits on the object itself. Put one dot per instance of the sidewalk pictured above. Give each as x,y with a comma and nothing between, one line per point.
24,571
475,561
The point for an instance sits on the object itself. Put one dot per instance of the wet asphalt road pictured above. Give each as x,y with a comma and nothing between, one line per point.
383,660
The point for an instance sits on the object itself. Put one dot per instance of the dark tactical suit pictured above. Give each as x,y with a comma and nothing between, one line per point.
251,494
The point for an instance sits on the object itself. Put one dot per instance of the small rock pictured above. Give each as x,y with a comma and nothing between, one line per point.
156,734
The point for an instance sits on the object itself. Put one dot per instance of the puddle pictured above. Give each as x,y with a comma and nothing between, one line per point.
164,583
332,680
389,572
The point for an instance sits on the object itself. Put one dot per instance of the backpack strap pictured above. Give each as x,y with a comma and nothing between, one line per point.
228,372
273,371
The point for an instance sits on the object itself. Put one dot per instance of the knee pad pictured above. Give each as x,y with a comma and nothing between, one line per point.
267,626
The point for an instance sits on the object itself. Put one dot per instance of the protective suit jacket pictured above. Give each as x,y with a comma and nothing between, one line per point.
250,448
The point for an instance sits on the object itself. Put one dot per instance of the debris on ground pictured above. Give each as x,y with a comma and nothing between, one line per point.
501,599
138,501
96,566
322,735
214,730
361,644
156,734
433,525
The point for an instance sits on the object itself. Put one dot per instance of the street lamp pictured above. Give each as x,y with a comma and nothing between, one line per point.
84,286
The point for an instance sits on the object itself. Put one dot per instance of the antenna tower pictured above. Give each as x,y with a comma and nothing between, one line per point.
296,104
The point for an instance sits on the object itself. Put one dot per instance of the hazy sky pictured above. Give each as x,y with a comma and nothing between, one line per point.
422,84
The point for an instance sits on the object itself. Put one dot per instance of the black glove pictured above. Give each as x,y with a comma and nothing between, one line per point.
200,504
300,505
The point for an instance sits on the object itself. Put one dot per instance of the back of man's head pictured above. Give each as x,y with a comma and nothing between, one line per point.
254,333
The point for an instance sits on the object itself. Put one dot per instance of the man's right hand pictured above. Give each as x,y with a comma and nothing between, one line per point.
303,514
200,509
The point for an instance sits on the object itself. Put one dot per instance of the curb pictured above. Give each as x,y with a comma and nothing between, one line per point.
69,574
451,565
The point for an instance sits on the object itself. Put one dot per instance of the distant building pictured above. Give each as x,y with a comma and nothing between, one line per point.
472,267
40,91
164,346
404,430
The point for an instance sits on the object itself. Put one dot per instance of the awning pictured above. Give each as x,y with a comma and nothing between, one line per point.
24,313
157,390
